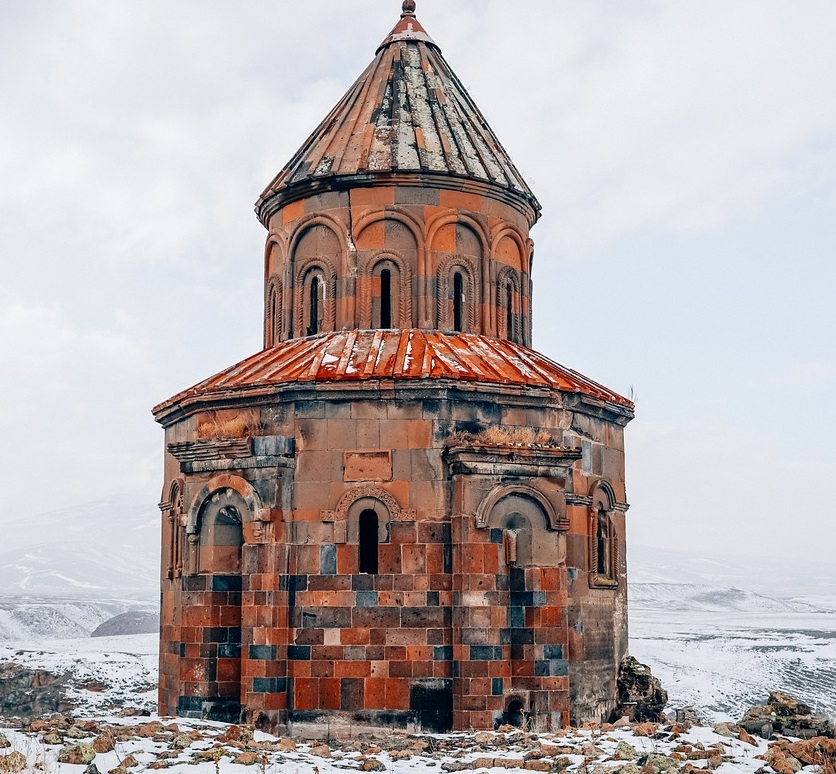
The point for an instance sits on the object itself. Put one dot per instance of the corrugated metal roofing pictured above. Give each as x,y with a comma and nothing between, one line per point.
408,112
353,356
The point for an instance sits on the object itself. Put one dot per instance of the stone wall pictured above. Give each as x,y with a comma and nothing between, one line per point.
483,604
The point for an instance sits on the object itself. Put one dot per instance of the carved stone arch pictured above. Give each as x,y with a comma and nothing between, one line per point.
503,230
415,226
317,219
327,271
396,513
256,512
554,520
604,559
509,278
171,504
452,217
444,313
273,311
604,494
277,241
524,516
404,305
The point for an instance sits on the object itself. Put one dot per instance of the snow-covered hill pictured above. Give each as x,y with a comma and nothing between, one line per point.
721,599
23,618
109,547
771,576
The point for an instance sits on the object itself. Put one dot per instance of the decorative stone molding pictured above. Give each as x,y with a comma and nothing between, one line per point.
211,449
396,513
256,512
557,521
445,283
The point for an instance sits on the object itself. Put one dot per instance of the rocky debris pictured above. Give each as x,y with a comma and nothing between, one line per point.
372,764
76,754
785,715
13,762
323,751
104,742
28,693
4,742
247,759
641,696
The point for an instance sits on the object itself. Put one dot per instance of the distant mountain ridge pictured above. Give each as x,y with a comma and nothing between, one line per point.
702,597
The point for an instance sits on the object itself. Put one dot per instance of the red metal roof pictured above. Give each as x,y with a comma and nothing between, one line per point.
353,356
407,113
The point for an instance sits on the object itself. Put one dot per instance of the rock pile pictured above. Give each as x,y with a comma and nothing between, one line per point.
785,715
641,696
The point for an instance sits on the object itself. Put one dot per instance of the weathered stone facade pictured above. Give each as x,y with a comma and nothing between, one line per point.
396,514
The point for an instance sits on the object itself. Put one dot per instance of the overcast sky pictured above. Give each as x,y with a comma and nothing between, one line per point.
684,153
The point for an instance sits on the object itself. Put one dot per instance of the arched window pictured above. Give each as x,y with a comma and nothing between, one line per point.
386,298
458,302
314,310
509,312
220,534
383,304
602,538
368,540
603,553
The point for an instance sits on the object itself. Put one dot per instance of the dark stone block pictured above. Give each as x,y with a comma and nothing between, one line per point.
553,651
539,598
558,667
496,686
541,668
215,634
443,653
299,653
190,706
182,648
352,693
310,636
522,636
376,617
432,598
263,652
485,653
516,577
366,598
195,582
229,651
298,583
522,598
226,583
362,582
516,617
328,560
496,536
447,548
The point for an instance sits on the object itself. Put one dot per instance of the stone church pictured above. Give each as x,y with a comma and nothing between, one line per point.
396,514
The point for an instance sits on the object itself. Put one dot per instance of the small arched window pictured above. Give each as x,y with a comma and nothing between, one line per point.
368,540
458,302
314,312
603,559
509,312
386,298
602,538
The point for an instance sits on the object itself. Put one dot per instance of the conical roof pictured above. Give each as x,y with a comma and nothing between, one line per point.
407,114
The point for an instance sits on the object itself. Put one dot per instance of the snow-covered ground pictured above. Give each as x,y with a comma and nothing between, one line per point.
205,748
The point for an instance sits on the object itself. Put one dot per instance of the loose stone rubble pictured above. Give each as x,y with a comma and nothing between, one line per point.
785,715
131,745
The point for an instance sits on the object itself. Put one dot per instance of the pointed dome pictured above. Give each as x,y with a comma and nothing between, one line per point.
406,115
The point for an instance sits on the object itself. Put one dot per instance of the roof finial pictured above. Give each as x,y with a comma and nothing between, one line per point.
408,8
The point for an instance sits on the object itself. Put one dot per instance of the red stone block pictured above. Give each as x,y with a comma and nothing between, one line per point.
305,693
397,694
329,693
375,693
